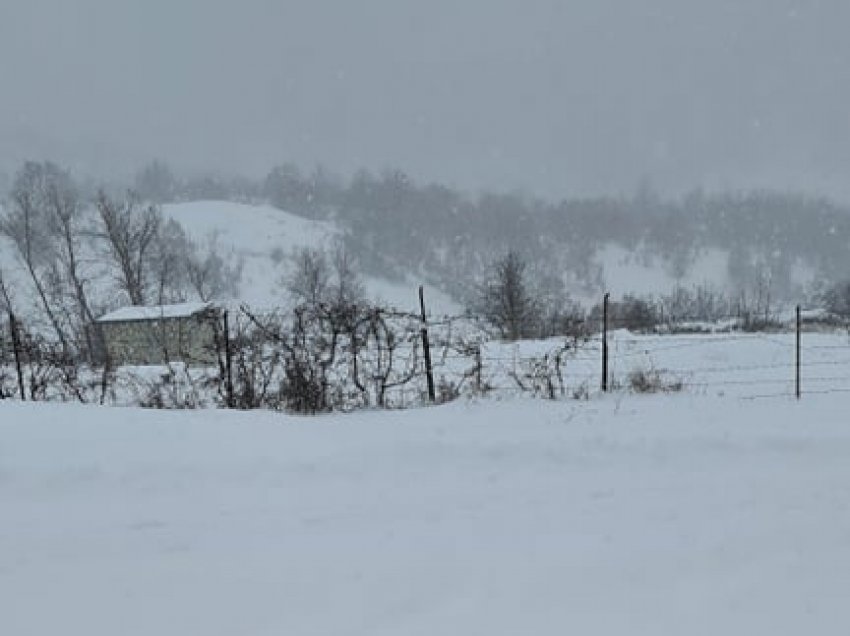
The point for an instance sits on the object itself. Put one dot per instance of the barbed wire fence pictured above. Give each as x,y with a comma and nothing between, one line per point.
377,357
466,360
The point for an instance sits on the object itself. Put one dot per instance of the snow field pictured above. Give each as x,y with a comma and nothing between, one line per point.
654,515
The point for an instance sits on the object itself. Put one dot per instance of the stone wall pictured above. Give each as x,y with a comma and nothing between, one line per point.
152,342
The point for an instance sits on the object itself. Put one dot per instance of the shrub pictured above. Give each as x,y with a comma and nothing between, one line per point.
653,381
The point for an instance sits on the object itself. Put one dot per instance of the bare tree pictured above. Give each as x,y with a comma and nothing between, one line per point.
384,354
506,300
169,265
156,182
324,277
155,260
837,299
5,295
210,274
27,224
286,188
310,278
129,231
346,287
64,214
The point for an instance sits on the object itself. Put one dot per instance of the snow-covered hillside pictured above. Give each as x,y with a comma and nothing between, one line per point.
644,273
263,237
670,515
631,272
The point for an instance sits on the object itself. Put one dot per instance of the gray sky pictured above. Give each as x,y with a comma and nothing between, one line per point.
555,96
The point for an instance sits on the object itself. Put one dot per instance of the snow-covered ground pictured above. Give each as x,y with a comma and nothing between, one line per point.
662,515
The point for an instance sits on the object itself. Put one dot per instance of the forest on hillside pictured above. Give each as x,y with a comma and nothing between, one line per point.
450,237
399,228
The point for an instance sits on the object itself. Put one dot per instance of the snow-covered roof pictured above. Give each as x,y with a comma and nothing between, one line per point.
159,312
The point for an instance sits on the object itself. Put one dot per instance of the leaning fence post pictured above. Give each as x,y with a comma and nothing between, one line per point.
605,343
228,361
797,365
16,348
429,371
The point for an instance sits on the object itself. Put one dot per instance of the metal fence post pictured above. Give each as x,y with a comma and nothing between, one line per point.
797,375
429,371
605,343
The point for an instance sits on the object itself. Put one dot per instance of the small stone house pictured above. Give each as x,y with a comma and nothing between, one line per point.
157,335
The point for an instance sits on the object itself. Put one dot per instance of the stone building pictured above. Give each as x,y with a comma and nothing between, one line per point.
161,334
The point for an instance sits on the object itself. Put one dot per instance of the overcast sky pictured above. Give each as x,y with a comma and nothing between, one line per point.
558,97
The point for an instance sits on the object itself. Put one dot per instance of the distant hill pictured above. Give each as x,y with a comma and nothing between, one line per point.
264,238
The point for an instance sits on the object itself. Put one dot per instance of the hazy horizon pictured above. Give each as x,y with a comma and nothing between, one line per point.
585,97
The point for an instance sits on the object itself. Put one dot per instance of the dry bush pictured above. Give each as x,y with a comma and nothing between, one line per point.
653,381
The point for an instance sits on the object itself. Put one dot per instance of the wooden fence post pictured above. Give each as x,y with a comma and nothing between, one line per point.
479,367
16,347
228,361
429,371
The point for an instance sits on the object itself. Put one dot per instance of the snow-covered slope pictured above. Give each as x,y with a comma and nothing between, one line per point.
672,515
255,229
263,237
632,272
